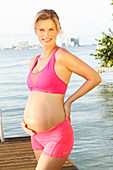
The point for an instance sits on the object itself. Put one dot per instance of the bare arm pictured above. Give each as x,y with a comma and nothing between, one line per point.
31,63
23,124
74,64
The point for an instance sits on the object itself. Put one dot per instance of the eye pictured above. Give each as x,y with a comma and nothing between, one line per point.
41,29
51,29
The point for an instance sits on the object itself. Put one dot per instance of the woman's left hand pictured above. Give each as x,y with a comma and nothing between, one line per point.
67,109
26,129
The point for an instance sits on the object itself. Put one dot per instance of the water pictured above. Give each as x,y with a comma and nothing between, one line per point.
91,115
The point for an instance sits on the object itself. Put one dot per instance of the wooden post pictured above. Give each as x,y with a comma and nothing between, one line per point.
1,128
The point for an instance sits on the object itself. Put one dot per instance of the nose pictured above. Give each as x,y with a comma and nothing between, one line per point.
46,33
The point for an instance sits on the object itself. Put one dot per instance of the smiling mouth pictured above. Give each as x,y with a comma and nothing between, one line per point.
47,39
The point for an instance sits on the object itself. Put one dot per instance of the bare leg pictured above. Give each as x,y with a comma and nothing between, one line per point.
46,162
37,154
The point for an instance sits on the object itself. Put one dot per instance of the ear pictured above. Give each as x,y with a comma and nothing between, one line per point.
36,32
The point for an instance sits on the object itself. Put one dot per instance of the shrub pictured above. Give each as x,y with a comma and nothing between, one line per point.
105,52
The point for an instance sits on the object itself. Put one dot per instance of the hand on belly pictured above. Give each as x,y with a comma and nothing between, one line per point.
26,129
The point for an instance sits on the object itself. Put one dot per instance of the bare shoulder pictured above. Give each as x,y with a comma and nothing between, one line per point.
65,57
32,62
62,52
76,65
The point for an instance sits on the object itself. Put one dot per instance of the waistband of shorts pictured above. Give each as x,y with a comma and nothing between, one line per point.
64,124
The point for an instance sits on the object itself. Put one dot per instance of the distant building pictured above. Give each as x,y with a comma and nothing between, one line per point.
71,42
23,44
63,44
35,46
10,47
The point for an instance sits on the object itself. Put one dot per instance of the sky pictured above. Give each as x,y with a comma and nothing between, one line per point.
85,19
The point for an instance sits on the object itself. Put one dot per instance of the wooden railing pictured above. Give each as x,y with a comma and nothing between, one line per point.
1,128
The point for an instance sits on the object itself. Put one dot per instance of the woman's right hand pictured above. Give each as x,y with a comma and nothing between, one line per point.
26,129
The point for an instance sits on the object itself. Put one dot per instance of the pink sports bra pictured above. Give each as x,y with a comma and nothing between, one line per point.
46,80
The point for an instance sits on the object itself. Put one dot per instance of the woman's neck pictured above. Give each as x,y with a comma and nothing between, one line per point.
48,50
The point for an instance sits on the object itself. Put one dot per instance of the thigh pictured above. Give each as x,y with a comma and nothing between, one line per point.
37,154
46,162
37,147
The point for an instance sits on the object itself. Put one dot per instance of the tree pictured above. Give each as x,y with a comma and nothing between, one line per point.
105,52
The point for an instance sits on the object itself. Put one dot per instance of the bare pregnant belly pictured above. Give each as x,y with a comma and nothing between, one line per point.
43,111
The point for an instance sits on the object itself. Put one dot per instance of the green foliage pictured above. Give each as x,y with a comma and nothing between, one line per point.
111,3
105,52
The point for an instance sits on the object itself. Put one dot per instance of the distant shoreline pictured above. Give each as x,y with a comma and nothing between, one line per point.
38,47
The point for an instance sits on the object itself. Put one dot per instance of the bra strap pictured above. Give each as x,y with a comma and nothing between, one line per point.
35,62
56,49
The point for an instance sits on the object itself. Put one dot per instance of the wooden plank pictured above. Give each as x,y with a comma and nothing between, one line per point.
17,153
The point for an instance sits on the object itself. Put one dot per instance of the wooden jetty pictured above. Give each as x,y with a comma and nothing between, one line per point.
17,154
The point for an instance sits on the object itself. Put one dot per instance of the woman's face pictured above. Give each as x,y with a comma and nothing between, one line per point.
46,32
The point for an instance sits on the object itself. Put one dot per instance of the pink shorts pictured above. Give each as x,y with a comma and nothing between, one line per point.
55,142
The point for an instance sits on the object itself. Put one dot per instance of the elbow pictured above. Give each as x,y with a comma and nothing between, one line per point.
98,80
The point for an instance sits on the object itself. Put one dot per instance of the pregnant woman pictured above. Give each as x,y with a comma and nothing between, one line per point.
47,116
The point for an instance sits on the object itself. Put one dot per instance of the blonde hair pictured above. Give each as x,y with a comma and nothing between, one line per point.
47,14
